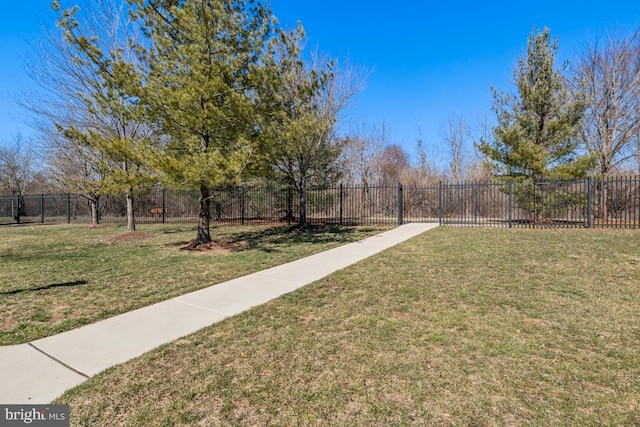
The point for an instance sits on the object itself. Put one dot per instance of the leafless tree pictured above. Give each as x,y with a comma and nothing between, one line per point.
18,174
456,137
68,87
78,169
362,154
608,71
393,164
479,168
426,169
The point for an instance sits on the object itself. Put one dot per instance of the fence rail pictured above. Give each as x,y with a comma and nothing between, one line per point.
592,202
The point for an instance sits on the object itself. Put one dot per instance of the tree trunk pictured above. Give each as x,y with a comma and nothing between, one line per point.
19,206
93,206
289,216
204,217
13,207
131,219
365,196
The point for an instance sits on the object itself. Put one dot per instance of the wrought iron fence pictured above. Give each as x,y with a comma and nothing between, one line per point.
592,202
374,205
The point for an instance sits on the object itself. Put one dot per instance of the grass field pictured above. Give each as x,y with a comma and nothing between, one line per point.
57,277
459,326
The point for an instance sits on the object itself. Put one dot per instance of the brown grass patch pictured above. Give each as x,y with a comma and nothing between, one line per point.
7,323
400,315
129,236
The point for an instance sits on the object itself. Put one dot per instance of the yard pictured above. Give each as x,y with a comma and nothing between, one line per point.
57,277
460,326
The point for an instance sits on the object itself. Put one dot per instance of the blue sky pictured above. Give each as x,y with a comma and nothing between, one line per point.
428,59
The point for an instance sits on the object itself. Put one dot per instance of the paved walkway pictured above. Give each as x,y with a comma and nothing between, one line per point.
41,370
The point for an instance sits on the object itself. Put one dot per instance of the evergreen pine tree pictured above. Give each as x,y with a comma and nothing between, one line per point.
536,135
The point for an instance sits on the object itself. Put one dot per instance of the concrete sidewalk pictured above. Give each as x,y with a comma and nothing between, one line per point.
40,371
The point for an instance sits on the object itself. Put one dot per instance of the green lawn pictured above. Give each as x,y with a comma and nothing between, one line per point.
57,277
459,326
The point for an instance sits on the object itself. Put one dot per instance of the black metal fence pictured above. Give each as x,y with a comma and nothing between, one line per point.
262,205
592,202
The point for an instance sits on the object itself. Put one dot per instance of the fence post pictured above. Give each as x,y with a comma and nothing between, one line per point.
535,205
289,205
440,202
242,205
341,200
475,202
68,208
400,204
510,203
164,206
42,208
589,201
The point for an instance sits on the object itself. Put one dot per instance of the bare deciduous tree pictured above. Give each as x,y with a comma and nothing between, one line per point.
608,71
81,119
362,154
477,168
17,174
456,139
78,169
393,164
426,169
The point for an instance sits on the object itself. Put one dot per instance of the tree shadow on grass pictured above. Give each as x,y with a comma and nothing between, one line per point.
265,240
270,238
46,287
